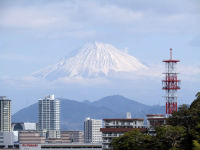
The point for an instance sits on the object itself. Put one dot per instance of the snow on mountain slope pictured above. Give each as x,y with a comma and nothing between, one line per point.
92,60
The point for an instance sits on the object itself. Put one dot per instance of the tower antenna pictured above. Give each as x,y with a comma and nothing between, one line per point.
171,84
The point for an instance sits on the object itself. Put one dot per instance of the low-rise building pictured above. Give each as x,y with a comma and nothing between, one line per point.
31,137
37,137
72,146
116,127
22,126
69,146
6,140
19,126
72,136
154,120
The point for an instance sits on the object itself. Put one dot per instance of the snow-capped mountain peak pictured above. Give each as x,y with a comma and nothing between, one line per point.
92,60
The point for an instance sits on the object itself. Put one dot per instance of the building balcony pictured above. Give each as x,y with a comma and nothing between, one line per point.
106,141
111,135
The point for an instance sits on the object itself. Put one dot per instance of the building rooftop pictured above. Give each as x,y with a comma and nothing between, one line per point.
4,98
135,119
155,115
121,129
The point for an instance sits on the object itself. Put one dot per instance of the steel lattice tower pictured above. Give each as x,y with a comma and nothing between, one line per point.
171,84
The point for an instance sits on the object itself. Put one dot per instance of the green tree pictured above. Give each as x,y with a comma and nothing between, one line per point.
133,140
188,117
182,118
195,119
196,103
196,145
195,111
171,136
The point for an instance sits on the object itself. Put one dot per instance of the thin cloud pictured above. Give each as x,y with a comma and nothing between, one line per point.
30,18
154,73
23,58
83,19
195,42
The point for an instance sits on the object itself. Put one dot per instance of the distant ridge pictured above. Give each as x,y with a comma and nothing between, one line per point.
73,112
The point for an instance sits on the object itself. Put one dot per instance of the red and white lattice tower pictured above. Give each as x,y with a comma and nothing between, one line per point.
171,84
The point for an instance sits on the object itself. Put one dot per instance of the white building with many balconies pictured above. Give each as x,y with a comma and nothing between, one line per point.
49,116
92,132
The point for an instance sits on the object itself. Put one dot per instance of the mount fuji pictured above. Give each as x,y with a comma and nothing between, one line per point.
91,61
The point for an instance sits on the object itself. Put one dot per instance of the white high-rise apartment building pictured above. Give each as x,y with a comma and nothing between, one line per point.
49,116
6,136
92,132
5,114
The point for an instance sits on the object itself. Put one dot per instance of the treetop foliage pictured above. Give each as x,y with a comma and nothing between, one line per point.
182,132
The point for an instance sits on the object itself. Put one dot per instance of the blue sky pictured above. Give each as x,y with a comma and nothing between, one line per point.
35,34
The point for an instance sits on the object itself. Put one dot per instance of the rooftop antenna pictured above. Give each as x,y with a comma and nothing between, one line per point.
171,53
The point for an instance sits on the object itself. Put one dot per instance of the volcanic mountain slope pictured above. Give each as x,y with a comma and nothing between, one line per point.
92,60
